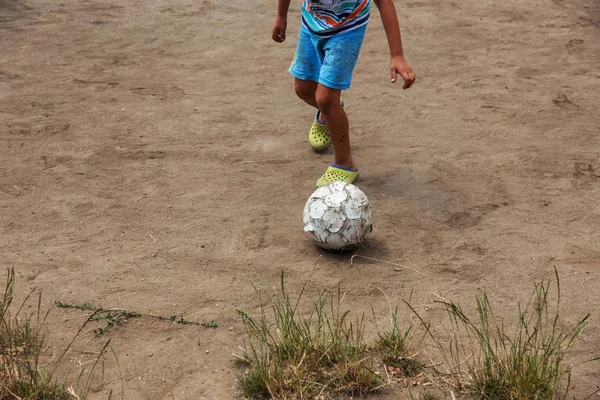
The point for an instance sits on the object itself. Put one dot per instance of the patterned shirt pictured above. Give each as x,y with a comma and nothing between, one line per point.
324,18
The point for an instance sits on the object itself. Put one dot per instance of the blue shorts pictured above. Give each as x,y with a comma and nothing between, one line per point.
328,61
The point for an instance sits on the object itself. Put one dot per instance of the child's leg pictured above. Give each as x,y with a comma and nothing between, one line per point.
306,66
306,90
341,55
328,101
318,136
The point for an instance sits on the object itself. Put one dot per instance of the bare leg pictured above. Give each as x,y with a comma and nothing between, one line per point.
328,101
306,90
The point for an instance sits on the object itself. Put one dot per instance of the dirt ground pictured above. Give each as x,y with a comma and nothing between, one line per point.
154,157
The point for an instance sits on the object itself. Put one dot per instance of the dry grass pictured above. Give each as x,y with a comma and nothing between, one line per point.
321,355
294,356
22,348
21,344
494,359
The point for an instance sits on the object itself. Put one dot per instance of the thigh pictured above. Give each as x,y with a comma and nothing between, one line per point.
305,87
341,56
308,59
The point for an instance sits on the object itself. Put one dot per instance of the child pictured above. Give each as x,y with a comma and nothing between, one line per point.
329,42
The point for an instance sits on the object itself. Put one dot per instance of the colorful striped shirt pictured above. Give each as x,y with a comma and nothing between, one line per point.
327,17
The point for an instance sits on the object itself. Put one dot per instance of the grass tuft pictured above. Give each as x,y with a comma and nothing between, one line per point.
253,383
525,362
393,346
22,347
295,356
21,344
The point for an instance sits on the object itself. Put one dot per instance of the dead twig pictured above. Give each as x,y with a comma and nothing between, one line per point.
591,394
386,262
15,396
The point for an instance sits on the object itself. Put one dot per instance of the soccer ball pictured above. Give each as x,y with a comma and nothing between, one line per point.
338,216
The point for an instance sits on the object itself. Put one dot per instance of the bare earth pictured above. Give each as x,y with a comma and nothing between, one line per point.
154,158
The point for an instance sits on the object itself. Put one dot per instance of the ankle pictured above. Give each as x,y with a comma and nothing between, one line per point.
319,118
348,164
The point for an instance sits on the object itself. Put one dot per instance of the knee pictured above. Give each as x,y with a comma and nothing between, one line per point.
326,99
304,90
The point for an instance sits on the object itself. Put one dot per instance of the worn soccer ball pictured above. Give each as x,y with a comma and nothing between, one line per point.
338,216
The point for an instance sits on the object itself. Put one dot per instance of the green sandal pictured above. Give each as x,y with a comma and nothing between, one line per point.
337,173
318,136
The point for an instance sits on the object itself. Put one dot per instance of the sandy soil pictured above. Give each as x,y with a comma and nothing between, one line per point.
154,157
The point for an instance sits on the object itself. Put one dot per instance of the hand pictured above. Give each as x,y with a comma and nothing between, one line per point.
398,65
279,29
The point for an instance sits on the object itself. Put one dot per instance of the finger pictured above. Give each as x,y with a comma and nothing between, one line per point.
413,77
407,81
393,75
278,36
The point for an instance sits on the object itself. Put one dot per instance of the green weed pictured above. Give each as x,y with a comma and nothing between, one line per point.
113,317
291,355
512,362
